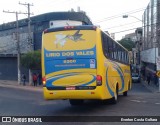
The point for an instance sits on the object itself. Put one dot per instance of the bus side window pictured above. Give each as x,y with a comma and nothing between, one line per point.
123,56
105,44
114,50
110,45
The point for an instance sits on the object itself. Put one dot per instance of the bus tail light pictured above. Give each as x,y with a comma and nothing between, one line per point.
99,80
44,80
68,27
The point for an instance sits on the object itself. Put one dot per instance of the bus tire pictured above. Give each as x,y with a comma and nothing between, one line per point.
126,92
115,98
74,102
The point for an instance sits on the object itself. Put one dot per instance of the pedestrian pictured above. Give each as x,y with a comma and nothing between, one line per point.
35,79
155,79
143,73
40,78
24,79
148,78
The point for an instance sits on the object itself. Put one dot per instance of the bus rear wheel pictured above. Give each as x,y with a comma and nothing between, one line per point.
76,102
115,98
126,92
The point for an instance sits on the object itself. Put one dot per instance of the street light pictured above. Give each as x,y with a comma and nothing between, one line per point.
126,16
138,35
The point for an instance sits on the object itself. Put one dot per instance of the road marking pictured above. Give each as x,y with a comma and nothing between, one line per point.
144,101
139,98
158,103
138,101
135,101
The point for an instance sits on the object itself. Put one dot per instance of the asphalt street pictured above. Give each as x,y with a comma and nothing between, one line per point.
23,102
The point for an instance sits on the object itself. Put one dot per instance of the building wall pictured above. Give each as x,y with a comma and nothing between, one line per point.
158,25
150,25
8,41
131,36
150,44
38,29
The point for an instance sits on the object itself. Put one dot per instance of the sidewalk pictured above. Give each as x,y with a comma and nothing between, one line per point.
14,84
152,87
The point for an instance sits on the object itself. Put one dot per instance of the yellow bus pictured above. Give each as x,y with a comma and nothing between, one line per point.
83,62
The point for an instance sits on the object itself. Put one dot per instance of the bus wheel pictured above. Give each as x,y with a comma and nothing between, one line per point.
125,93
76,101
115,98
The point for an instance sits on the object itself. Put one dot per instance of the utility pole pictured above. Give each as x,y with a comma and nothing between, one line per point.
18,41
30,41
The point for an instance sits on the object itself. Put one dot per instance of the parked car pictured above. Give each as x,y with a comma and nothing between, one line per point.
135,77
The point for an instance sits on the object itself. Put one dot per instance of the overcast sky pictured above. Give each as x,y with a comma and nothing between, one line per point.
106,13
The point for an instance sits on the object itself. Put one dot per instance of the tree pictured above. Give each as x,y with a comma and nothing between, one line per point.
127,43
31,60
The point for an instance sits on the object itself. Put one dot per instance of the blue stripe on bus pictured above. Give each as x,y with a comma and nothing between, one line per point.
119,71
122,79
119,68
51,80
93,80
121,74
107,83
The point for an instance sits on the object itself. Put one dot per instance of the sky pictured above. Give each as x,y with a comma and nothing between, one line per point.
105,13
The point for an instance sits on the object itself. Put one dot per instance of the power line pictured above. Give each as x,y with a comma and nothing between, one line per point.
136,28
125,30
121,25
116,16
130,12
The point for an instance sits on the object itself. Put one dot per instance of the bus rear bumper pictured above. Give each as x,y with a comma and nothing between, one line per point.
74,94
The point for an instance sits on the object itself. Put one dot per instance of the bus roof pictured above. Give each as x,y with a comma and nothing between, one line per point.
81,27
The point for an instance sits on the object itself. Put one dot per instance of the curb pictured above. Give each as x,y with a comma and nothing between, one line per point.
150,87
16,86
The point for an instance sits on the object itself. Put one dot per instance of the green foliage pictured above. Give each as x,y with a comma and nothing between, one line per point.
31,60
127,43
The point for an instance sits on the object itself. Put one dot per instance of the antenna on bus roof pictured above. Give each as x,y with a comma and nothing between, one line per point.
67,24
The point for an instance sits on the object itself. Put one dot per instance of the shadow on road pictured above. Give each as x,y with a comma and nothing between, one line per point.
90,107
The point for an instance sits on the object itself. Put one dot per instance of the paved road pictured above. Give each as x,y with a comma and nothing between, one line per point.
21,102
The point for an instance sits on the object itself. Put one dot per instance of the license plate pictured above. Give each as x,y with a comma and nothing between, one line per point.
71,88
